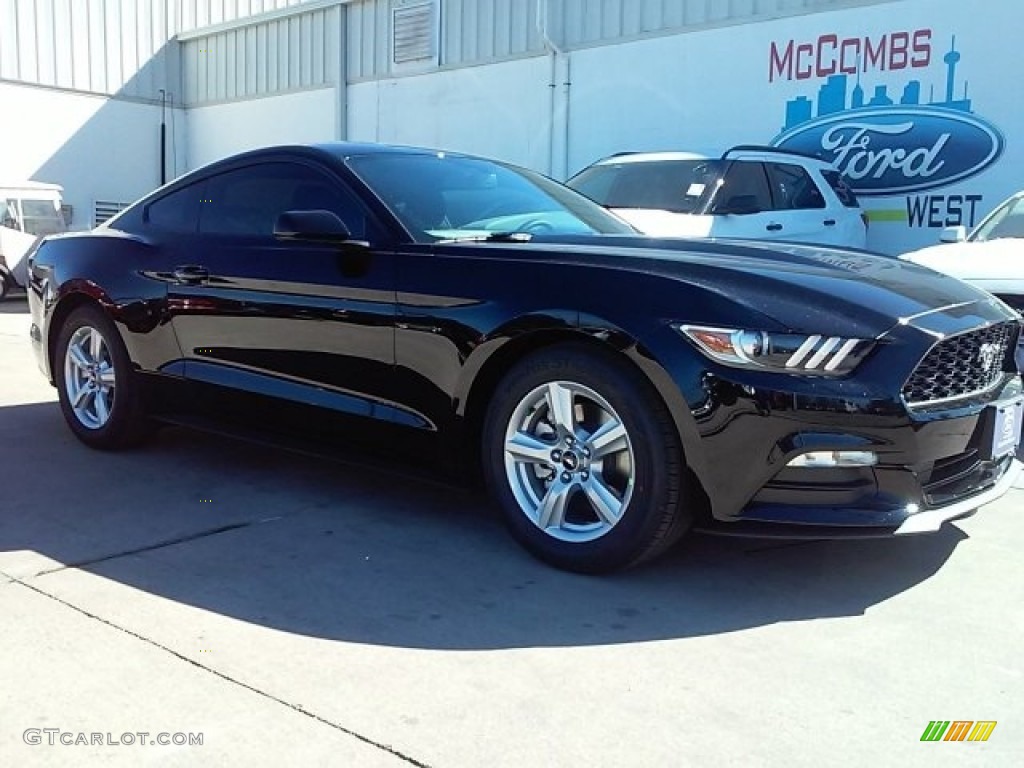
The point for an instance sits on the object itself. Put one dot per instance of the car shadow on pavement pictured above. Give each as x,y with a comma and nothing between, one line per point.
362,555
14,304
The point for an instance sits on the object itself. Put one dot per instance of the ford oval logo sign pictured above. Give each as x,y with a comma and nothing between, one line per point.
890,151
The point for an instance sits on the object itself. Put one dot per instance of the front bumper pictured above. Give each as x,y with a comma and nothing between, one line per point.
935,463
923,521
932,519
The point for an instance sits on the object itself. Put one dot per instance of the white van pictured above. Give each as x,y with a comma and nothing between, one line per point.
28,210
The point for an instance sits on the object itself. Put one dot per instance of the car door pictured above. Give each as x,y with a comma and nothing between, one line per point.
744,187
852,222
307,323
799,207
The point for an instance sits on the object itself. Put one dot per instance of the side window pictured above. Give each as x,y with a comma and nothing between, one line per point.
793,188
745,178
7,214
178,211
247,201
841,188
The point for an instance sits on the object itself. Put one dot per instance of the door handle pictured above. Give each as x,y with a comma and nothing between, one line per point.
191,274
830,222
774,227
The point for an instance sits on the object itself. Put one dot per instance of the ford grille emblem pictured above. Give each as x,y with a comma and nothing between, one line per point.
988,356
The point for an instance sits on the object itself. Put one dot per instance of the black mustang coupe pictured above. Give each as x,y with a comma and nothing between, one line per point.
613,390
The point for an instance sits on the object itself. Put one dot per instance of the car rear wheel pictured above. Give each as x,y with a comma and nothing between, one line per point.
584,460
99,394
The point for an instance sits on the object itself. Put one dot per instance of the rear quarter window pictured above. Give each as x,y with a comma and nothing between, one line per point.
178,211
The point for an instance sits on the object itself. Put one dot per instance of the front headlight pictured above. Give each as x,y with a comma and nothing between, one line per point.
814,355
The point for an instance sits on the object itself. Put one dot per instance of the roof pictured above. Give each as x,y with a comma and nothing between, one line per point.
29,186
653,157
742,152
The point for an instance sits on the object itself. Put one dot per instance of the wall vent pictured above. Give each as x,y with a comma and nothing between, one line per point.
106,209
414,32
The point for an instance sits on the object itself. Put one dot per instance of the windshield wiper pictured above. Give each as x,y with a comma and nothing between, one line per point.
492,237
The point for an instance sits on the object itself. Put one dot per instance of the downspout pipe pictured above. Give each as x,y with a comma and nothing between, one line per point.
558,161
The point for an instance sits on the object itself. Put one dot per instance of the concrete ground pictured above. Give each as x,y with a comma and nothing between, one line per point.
298,612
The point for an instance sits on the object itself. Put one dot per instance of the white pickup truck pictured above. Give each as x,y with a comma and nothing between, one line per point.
28,210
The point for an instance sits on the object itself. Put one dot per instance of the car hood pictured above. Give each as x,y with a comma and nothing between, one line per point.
660,223
804,288
989,260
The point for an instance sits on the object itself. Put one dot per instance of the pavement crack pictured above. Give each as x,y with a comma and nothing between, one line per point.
227,678
158,545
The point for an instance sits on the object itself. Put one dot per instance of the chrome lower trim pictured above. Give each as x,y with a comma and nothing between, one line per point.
957,398
932,519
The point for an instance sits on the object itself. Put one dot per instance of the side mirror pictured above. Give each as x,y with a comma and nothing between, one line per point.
313,227
953,235
739,205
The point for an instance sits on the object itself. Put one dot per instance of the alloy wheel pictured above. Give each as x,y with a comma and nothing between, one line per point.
569,461
89,377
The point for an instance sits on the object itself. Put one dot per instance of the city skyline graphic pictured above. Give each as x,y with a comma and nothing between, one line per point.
832,95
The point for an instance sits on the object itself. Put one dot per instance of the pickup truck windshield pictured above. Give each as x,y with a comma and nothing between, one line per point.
40,217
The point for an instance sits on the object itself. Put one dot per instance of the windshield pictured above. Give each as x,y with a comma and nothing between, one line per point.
440,197
680,186
1005,221
38,217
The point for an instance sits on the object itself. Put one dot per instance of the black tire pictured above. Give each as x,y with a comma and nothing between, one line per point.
6,285
127,424
653,516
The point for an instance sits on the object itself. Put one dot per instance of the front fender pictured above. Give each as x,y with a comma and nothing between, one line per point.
490,360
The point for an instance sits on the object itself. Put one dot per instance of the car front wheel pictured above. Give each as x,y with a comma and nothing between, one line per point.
584,460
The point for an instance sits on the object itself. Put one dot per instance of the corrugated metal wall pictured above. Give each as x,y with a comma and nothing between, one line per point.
120,47
471,31
194,14
103,46
299,51
586,22
477,31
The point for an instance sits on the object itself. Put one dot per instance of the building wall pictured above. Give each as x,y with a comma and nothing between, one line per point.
116,47
87,83
218,130
553,85
937,140
98,149
482,31
80,95
194,14
256,58
496,110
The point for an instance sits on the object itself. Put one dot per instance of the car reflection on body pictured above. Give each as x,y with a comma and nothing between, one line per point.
614,391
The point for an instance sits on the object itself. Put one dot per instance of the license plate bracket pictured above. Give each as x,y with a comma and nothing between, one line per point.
1003,426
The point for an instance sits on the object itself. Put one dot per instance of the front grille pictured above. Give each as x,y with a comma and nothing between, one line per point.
961,366
961,476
